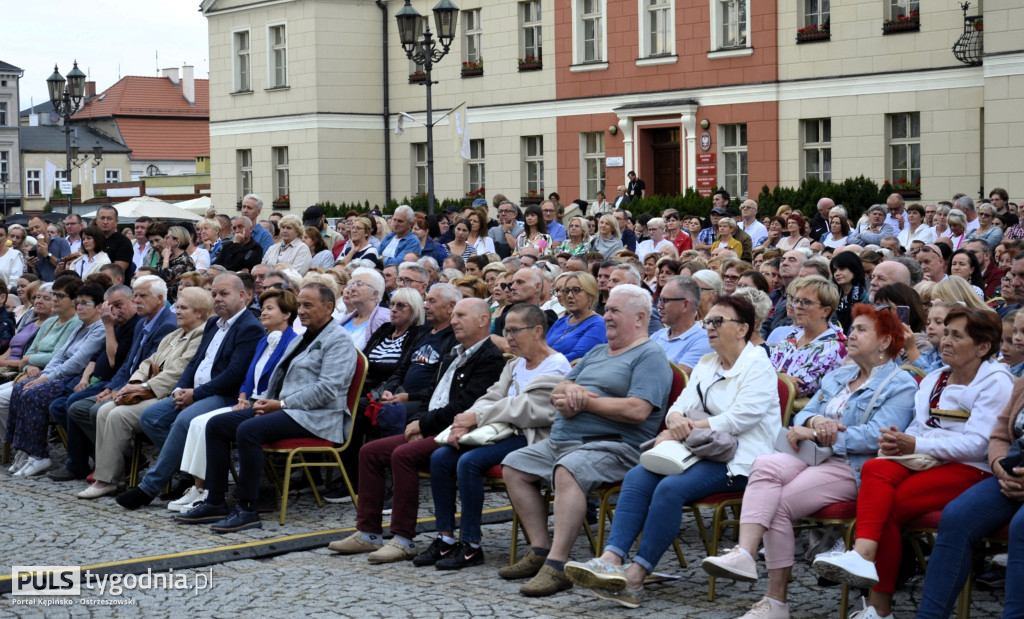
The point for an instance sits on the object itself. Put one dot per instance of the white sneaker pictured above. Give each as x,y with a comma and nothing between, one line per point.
34,466
184,504
735,564
849,568
869,612
765,609
19,461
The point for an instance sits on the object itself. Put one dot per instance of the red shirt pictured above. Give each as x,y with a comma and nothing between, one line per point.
682,242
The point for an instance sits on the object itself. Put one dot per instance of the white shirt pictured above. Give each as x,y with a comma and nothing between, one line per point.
440,397
139,249
758,233
894,222
295,253
923,233
76,245
521,376
204,373
648,247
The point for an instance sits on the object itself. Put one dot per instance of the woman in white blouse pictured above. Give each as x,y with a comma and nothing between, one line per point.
916,229
12,262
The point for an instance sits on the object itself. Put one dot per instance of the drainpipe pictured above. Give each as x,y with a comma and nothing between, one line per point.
387,106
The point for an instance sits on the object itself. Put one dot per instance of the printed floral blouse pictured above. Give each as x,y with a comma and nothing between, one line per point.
811,362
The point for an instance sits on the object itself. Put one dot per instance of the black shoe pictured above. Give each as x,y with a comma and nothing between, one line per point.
134,498
238,520
464,556
203,513
64,474
338,495
438,550
994,579
180,488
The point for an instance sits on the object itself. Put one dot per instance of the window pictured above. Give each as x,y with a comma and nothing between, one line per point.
592,147
589,45
730,24
4,161
3,114
243,73
817,146
419,168
531,42
112,176
476,166
34,182
473,33
278,56
58,177
816,13
905,147
244,158
533,164
906,8
658,35
280,159
733,139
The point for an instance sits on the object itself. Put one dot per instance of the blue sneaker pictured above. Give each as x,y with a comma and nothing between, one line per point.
238,520
203,513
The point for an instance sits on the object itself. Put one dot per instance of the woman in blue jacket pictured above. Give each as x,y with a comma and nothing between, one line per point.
279,309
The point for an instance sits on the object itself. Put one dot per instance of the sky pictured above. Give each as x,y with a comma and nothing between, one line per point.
109,38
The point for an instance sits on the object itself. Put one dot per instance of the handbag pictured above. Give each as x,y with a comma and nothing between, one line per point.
668,458
487,434
914,462
145,394
810,452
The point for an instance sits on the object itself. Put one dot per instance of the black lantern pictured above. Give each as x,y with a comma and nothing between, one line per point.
410,26
446,16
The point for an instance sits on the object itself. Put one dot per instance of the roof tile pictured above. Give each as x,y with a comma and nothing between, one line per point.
148,96
165,138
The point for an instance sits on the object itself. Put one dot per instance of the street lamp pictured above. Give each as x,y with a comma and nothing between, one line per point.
3,182
421,47
66,97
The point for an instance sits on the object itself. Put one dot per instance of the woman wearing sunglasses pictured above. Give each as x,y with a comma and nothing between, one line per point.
732,391
581,328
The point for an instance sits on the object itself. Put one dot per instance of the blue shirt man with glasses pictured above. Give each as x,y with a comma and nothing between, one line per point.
684,340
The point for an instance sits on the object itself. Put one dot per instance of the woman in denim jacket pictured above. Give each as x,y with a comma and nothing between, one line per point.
782,488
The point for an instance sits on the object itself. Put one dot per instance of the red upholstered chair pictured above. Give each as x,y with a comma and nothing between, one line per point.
294,450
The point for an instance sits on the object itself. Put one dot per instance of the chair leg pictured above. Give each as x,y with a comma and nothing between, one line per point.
309,477
344,476
287,482
963,606
133,473
679,552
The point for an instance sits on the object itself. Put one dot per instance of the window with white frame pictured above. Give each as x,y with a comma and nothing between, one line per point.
112,175
816,136
657,37
533,164
905,147
816,13
34,182
903,7
531,39
592,151
3,114
733,140
244,162
474,34
419,168
590,31
4,162
730,24
475,166
279,156
278,57
243,62
59,176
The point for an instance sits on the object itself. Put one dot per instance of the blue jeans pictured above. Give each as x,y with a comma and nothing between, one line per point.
167,427
662,498
80,441
467,466
977,513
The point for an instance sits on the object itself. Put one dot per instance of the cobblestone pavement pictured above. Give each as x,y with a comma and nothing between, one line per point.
44,524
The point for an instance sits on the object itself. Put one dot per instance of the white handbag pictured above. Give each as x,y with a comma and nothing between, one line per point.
668,458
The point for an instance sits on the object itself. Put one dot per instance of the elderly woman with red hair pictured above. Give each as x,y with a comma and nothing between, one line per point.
796,225
855,401
942,454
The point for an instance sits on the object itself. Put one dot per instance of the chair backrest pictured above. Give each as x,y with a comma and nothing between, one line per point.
355,388
679,381
787,395
915,371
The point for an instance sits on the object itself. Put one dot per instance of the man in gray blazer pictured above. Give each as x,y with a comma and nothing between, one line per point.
306,399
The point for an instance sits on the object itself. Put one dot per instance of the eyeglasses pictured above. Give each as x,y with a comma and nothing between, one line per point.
512,333
405,281
398,305
716,322
356,283
59,296
506,210
664,300
730,278
84,304
801,303
931,212
984,214
703,289
671,218
575,291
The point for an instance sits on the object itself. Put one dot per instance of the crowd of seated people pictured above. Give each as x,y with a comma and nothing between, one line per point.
546,347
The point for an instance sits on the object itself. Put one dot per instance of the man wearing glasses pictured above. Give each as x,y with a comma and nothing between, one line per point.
749,223
413,275
683,339
550,212
897,217
929,214
505,233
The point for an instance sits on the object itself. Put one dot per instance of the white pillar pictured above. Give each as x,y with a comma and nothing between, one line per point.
689,123
626,126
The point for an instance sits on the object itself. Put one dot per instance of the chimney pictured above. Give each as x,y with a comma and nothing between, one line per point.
188,84
171,74
90,89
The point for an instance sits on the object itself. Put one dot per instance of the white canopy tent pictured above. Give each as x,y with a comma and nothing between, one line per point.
199,206
150,207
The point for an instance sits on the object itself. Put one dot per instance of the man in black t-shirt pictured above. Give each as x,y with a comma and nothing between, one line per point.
636,187
243,253
118,248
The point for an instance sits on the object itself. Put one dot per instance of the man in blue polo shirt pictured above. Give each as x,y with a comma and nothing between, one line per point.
555,229
684,340
252,206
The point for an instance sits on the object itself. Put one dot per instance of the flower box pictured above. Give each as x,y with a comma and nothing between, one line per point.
417,77
472,72
813,33
530,63
525,200
903,23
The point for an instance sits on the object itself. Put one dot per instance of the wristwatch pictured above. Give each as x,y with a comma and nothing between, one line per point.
145,385
284,404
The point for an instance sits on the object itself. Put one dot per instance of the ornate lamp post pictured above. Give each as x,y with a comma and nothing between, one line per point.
66,97
3,182
421,47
